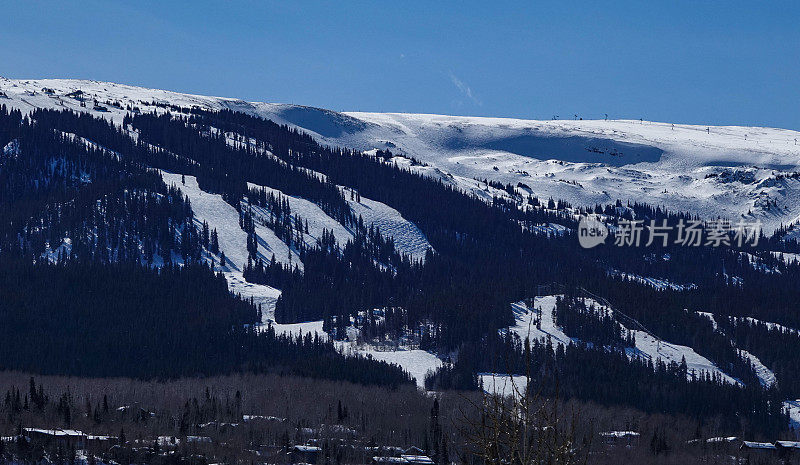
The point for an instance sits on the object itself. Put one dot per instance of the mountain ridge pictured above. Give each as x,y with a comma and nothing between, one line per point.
734,172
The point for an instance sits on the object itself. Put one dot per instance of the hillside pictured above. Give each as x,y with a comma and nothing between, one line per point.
711,171
433,243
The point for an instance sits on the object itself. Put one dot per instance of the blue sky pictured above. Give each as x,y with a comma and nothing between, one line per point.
692,62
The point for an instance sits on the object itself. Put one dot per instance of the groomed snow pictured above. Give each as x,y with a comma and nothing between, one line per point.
221,216
765,376
525,319
647,346
408,239
311,213
416,362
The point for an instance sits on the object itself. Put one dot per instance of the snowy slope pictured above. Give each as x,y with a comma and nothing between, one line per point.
111,101
416,362
711,171
310,212
729,171
764,374
221,216
504,385
647,346
526,318
408,238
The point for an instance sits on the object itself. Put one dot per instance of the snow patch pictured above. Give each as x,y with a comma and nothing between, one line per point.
221,216
408,239
647,346
504,385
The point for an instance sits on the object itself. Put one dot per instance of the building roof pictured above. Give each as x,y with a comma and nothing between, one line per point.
301,448
389,460
93,437
788,444
619,434
420,459
56,432
404,459
758,445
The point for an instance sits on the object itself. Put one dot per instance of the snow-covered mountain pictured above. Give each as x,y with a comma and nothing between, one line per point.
733,172
728,171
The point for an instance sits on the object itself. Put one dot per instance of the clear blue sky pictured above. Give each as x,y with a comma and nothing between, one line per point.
694,61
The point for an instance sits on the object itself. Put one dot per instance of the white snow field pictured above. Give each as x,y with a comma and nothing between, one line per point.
764,374
647,346
221,216
233,241
504,385
416,362
728,171
310,212
409,240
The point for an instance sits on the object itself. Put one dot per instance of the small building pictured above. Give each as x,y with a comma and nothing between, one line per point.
404,459
787,449
63,437
617,438
388,461
304,454
788,445
758,448
100,441
417,459
396,456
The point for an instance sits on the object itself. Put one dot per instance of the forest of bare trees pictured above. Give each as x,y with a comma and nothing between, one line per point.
260,418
